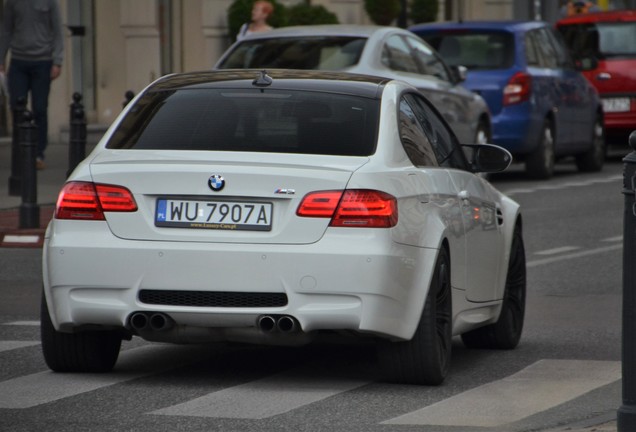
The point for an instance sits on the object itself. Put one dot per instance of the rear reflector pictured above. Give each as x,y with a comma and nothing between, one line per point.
89,201
355,208
518,89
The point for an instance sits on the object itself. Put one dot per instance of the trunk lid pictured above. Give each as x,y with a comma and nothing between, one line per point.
257,204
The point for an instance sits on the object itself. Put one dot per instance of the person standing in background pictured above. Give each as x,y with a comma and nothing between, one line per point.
32,31
261,10
578,7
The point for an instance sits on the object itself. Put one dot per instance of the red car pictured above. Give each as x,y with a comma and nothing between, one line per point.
603,45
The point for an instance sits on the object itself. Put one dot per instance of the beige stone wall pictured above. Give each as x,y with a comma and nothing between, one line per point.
488,9
59,97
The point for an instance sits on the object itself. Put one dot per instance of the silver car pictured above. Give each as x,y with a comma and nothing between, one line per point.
371,50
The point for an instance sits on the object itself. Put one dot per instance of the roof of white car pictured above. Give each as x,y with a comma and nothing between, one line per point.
324,30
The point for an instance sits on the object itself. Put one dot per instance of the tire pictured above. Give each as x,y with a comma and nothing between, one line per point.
506,332
89,351
593,159
425,359
540,163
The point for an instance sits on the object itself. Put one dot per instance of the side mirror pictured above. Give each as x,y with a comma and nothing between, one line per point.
487,158
459,73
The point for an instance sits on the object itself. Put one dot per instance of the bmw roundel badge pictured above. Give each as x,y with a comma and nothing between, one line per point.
216,182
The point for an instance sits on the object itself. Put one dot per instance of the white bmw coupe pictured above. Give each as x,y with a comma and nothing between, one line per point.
275,206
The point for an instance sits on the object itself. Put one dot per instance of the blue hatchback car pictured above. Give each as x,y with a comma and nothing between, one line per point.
542,107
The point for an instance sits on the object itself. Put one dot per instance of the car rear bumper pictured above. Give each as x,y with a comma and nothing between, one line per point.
363,282
620,123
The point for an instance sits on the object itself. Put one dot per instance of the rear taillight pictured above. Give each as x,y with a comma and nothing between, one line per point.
89,201
518,89
359,208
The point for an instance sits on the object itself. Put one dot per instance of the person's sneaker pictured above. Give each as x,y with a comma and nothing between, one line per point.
39,164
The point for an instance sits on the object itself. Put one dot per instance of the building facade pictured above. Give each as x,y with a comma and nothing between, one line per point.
113,46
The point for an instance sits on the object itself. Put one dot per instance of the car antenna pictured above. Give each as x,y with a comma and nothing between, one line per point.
263,80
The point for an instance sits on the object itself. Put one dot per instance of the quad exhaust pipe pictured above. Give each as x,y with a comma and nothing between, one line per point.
154,321
281,323
144,322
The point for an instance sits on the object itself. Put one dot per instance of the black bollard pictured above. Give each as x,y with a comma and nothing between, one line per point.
128,96
626,416
29,209
77,136
15,178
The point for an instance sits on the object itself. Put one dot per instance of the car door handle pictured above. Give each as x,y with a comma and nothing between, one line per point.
463,195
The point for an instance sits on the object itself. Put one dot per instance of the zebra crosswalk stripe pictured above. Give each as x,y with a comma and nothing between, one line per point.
266,397
11,345
537,388
540,386
45,387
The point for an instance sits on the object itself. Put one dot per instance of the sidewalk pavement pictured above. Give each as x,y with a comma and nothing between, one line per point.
49,183
599,424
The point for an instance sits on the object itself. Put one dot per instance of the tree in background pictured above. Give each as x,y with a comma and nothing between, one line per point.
382,12
305,14
423,10
240,12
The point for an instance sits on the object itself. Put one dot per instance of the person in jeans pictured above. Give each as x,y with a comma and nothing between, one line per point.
32,31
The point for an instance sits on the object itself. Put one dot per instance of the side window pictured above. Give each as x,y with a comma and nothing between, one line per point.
443,142
429,62
563,57
397,55
414,140
589,45
547,55
572,36
532,57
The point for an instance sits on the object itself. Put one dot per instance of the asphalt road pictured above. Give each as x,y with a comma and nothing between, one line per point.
566,369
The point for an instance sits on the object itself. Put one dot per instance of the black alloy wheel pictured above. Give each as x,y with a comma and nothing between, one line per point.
540,163
425,359
506,332
593,159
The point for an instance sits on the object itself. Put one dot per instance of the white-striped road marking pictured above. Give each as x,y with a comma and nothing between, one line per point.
566,185
557,250
613,239
512,192
11,345
21,239
45,387
22,323
580,254
540,386
266,397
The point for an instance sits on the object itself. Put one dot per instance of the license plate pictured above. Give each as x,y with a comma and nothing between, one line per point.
616,105
214,215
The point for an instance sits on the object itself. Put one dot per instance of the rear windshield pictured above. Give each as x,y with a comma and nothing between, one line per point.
601,40
474,50
252,121
314,53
